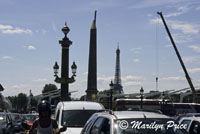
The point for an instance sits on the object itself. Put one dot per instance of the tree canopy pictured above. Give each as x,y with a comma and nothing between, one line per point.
49,87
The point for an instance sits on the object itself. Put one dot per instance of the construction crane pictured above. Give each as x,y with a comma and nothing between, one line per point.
195,97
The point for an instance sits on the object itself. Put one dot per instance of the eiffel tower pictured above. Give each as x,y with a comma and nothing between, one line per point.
117,80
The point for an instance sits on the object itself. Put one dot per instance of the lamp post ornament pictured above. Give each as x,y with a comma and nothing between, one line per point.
64,79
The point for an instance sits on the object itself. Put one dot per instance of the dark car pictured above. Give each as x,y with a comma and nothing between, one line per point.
6,126
16,121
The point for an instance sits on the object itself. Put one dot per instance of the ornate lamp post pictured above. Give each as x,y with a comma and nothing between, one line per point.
111,96
163,101
141,96
64,80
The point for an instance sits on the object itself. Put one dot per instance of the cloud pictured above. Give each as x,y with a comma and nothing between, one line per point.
153,3
105,79
194,70
2,27
181,10
156,21
186,28
191,59
8,29
195,48
173,78
136,50
40,80
182,38
31,47
7,57
128,78
85,73
17,31
132,83
136,60
19,86
132,78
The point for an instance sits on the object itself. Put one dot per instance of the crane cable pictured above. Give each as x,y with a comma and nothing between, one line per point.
157,54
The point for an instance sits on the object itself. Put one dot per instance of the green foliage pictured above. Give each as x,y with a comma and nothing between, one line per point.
22,101
49,87
19,102
14,101
104,92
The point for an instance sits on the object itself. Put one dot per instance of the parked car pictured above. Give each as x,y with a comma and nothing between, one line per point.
6,126
74,114
193,124
131,122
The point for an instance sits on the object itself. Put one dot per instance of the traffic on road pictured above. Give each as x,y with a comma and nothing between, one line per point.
82,117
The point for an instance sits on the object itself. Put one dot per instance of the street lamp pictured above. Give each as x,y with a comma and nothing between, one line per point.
111,91
141,96
74,67
64,80
56,67
163,101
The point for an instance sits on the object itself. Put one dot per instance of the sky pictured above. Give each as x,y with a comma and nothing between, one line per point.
30,31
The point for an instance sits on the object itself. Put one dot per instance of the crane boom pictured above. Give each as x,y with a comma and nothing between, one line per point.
195,99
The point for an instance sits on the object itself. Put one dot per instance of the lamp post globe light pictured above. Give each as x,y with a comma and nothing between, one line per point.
141,96
64,80
111,96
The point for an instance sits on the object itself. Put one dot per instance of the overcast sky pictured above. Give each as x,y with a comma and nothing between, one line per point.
30,30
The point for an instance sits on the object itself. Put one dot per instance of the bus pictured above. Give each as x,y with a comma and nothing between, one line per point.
163,105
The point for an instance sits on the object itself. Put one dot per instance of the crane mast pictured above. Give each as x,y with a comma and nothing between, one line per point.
195,97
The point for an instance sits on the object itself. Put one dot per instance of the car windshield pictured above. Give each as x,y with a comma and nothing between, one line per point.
148,126
15,117
30,117
76,118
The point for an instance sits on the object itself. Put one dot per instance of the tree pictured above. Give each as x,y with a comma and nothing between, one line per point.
14,101
19,102
49,87
22,101
1,88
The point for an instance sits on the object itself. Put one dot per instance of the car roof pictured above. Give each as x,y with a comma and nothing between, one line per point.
3,113
81,105
138,114
190,118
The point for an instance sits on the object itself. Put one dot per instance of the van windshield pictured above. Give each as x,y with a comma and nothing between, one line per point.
76,118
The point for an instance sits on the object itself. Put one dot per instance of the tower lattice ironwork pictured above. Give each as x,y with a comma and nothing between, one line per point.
117,80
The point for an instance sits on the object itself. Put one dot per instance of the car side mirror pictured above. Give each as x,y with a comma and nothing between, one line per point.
64,128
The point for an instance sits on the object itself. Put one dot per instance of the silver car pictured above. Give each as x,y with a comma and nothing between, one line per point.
132,122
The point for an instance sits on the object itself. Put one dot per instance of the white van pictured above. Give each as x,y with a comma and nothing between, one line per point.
74,114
